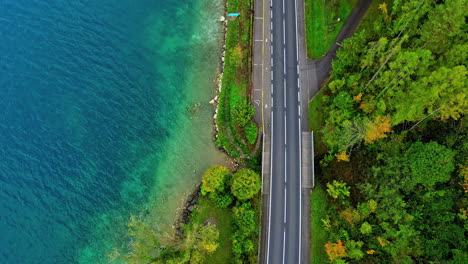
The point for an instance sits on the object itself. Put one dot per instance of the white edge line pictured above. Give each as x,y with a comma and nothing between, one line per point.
300,149
271,172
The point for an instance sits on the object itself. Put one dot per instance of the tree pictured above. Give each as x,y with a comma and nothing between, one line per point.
444,22
443,90
215,179
200,241
246,184
377,129
244,218
366,228
342,156
242,113
338,189
335,250
354,249
428,164
144,245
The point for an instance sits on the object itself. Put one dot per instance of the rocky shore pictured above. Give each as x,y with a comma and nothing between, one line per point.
187,208
219,78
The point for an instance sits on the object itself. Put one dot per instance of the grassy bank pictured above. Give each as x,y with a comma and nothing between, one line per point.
316,121
206,210
237,133
322,26
319,235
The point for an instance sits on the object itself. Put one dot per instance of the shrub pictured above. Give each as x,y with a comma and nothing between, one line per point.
251,132
223,200
242,113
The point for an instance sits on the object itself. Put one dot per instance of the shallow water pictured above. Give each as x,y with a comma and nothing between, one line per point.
95,122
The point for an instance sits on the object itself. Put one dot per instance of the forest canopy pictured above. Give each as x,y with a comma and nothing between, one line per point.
396,168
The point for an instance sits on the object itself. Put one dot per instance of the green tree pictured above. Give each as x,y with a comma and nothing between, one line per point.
144,244
244,219
366,228
354,249
245,184
442,94
428,163
200,241
443,24
215,179
338,189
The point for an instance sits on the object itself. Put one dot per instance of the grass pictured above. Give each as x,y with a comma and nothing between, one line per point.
316,121
236,78
319,236
222,217
322,27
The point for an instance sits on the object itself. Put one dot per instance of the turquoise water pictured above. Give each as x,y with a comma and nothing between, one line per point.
95,122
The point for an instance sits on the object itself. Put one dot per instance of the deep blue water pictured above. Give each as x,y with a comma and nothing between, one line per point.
89,92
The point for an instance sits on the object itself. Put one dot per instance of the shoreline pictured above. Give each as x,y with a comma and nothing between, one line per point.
190,199
219,77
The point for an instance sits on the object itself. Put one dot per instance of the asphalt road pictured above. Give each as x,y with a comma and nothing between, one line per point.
284,238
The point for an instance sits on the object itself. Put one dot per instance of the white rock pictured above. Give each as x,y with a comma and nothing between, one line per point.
221,19
212,101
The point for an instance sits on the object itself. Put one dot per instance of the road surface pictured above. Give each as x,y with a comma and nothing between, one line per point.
284,237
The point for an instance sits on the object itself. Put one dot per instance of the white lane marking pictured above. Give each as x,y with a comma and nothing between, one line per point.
285,173
259,40
285,211
271,61
285,133
258,17
272,75
284,32
284,242
284,89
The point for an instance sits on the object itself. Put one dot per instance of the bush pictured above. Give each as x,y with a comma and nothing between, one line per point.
251,132
246,184
244,218
242,113
222,200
